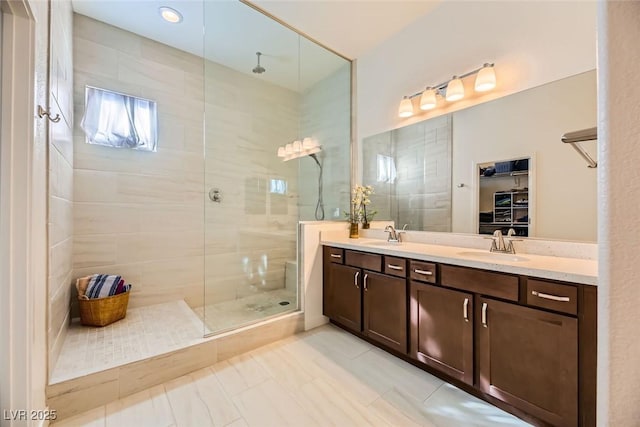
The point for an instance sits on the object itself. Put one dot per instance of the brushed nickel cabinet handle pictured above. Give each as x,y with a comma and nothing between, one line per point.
484,314
336,256
355,279
424,272
551,297
394,267
465,309
365,282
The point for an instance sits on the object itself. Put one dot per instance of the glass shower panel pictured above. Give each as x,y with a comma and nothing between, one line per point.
325,117
252,107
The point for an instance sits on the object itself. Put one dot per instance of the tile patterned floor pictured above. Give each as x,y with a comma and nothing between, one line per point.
157,329
319,378
223,316
146,331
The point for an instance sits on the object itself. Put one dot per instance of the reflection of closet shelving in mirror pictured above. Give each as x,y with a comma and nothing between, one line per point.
504,197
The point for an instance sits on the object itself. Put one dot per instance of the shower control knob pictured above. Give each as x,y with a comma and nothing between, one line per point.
215,195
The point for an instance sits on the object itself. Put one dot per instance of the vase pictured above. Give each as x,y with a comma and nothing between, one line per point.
366,225
353,230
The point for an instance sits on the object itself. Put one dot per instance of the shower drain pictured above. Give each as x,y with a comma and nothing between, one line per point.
284,303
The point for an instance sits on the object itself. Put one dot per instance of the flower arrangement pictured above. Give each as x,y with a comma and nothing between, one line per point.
359,202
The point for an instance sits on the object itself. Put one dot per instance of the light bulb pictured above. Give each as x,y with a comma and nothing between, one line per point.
486,78
455,89
288,149
406,107
428,99
297,146
281,152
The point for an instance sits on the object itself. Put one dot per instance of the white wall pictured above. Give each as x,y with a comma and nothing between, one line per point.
530,124
531,43
619,188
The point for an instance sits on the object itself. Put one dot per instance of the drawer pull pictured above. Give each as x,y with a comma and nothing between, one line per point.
424,272
484,314
551,297
336,256
355,279
394,267
365,282
465,309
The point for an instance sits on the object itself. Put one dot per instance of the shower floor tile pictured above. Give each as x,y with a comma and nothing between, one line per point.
145,332
230,314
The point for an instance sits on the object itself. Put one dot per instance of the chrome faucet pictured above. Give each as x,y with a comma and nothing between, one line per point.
395,236
498,242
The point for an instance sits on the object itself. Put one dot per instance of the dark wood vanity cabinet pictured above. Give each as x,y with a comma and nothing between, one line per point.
524,344
528,358
385,310
442,329
360,298
344,303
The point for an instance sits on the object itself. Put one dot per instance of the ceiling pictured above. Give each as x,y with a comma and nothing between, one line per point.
234,32
350,27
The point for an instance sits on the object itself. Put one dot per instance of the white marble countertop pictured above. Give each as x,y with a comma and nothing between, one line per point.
574,270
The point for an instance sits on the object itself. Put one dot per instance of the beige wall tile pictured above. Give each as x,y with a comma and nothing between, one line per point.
248,339
144,374
78,395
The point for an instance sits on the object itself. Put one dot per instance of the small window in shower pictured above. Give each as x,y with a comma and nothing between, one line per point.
117,120
386,170
278,186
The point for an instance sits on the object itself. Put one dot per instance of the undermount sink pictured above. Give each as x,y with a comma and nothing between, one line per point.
383,243
493,255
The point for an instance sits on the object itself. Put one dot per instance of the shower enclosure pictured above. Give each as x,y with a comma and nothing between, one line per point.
271,97
205,227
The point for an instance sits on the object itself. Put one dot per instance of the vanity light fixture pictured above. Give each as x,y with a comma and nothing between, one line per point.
170,15
455,90
452,90
298,148
428,99
406,107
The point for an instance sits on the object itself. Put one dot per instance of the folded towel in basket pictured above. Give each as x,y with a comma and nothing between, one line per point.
103,285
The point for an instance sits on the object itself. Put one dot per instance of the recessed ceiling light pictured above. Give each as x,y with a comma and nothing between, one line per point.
170,15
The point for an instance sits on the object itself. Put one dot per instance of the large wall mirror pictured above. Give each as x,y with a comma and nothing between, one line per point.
430,175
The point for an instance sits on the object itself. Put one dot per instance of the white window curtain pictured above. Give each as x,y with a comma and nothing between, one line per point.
386,169
117,120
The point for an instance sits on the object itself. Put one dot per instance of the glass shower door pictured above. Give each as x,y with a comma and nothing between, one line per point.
251,205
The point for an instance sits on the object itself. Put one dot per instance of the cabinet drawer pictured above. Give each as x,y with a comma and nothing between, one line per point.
395,266
422,271
336,255
479,281
552,296
363,260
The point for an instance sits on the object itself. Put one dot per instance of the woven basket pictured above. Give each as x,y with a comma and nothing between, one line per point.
100,311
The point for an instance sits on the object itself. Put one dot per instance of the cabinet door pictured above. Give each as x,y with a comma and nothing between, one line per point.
344,300
385,310
442,329
528,358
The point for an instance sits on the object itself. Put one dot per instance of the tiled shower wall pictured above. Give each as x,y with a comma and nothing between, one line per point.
326,116
60,180
140,214
251,233
420,194
422,197
147,216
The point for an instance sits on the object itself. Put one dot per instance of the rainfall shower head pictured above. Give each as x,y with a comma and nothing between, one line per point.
258,69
